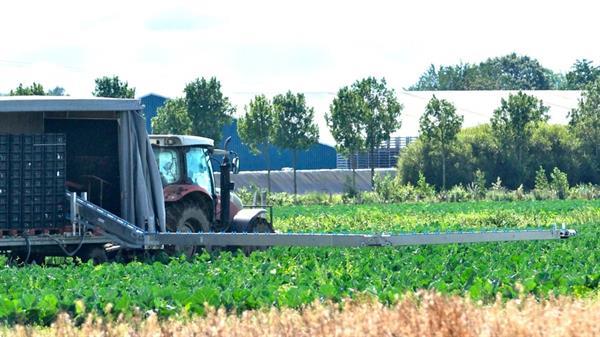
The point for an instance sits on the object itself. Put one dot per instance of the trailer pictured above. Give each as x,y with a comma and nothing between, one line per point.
81,177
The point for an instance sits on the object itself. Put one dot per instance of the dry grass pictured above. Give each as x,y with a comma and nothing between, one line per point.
425,314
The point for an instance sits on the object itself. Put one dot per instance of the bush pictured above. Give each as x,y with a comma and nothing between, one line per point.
498,192
542,190
477,187
457,194
584,191
476,148
424,190
559,183
386,187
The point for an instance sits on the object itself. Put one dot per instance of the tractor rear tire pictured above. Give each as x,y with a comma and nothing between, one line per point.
185,217
96,254
258,225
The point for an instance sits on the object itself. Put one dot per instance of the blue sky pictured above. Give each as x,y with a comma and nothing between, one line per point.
272,46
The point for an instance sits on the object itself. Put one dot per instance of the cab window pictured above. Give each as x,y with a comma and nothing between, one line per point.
199,171
168,165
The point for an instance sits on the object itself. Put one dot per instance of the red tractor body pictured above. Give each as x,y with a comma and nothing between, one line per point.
193,203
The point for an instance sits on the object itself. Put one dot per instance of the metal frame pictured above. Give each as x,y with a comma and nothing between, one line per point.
349,240
129,235
84,215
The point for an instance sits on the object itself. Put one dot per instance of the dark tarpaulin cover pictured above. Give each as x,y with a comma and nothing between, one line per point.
142,199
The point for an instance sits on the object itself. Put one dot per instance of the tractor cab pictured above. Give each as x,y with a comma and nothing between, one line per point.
185,160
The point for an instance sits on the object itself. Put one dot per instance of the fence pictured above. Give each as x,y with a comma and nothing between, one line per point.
383,157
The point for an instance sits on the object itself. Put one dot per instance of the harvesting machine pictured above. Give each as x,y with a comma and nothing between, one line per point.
81,177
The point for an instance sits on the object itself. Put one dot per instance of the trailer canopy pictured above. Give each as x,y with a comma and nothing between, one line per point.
140,187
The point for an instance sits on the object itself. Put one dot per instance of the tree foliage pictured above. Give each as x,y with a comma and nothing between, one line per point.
57,91
35,89
380,111
256,129
347,125
585,124
113,87
439,126
172,118
509,72
295,128
582,74
512,124
207,107
477,148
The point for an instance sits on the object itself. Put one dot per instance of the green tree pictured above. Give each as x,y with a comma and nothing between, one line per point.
172,118
582,73
295,128
513,123
35,89
559,183
429,80
541,180
57,91
347,125
256,129
380,111
508,72
112,87
585,123
514,72
208,109
439,126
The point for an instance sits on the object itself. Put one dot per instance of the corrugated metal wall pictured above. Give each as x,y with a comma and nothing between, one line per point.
151,104
319,156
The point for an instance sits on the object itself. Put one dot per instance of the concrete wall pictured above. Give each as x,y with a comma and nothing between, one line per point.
326,181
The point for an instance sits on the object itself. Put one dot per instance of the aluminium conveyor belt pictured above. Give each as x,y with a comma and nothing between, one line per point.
131,236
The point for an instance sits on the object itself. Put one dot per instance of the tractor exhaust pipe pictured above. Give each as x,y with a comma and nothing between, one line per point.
226,187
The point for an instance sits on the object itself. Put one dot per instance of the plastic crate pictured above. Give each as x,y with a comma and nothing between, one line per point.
50,200
31,199
15,220
3,179
32,180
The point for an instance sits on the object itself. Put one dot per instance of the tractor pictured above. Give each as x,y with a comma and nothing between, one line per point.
193,203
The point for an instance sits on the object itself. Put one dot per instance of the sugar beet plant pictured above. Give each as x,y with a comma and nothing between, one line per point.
292,277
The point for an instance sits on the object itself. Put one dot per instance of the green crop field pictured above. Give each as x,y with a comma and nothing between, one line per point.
292,277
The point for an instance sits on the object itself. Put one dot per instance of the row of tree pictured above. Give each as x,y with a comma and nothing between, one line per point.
285,121
105,87
361,116
516,142
509,72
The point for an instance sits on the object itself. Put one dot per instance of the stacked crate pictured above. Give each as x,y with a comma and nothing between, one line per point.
35,184
4,174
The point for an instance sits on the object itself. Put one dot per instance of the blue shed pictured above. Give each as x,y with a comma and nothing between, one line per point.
151,103
318,156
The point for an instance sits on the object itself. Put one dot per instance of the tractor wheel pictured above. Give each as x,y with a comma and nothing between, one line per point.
258,225
185,217
96,254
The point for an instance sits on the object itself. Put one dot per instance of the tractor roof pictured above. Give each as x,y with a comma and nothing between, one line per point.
66,103
181,140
